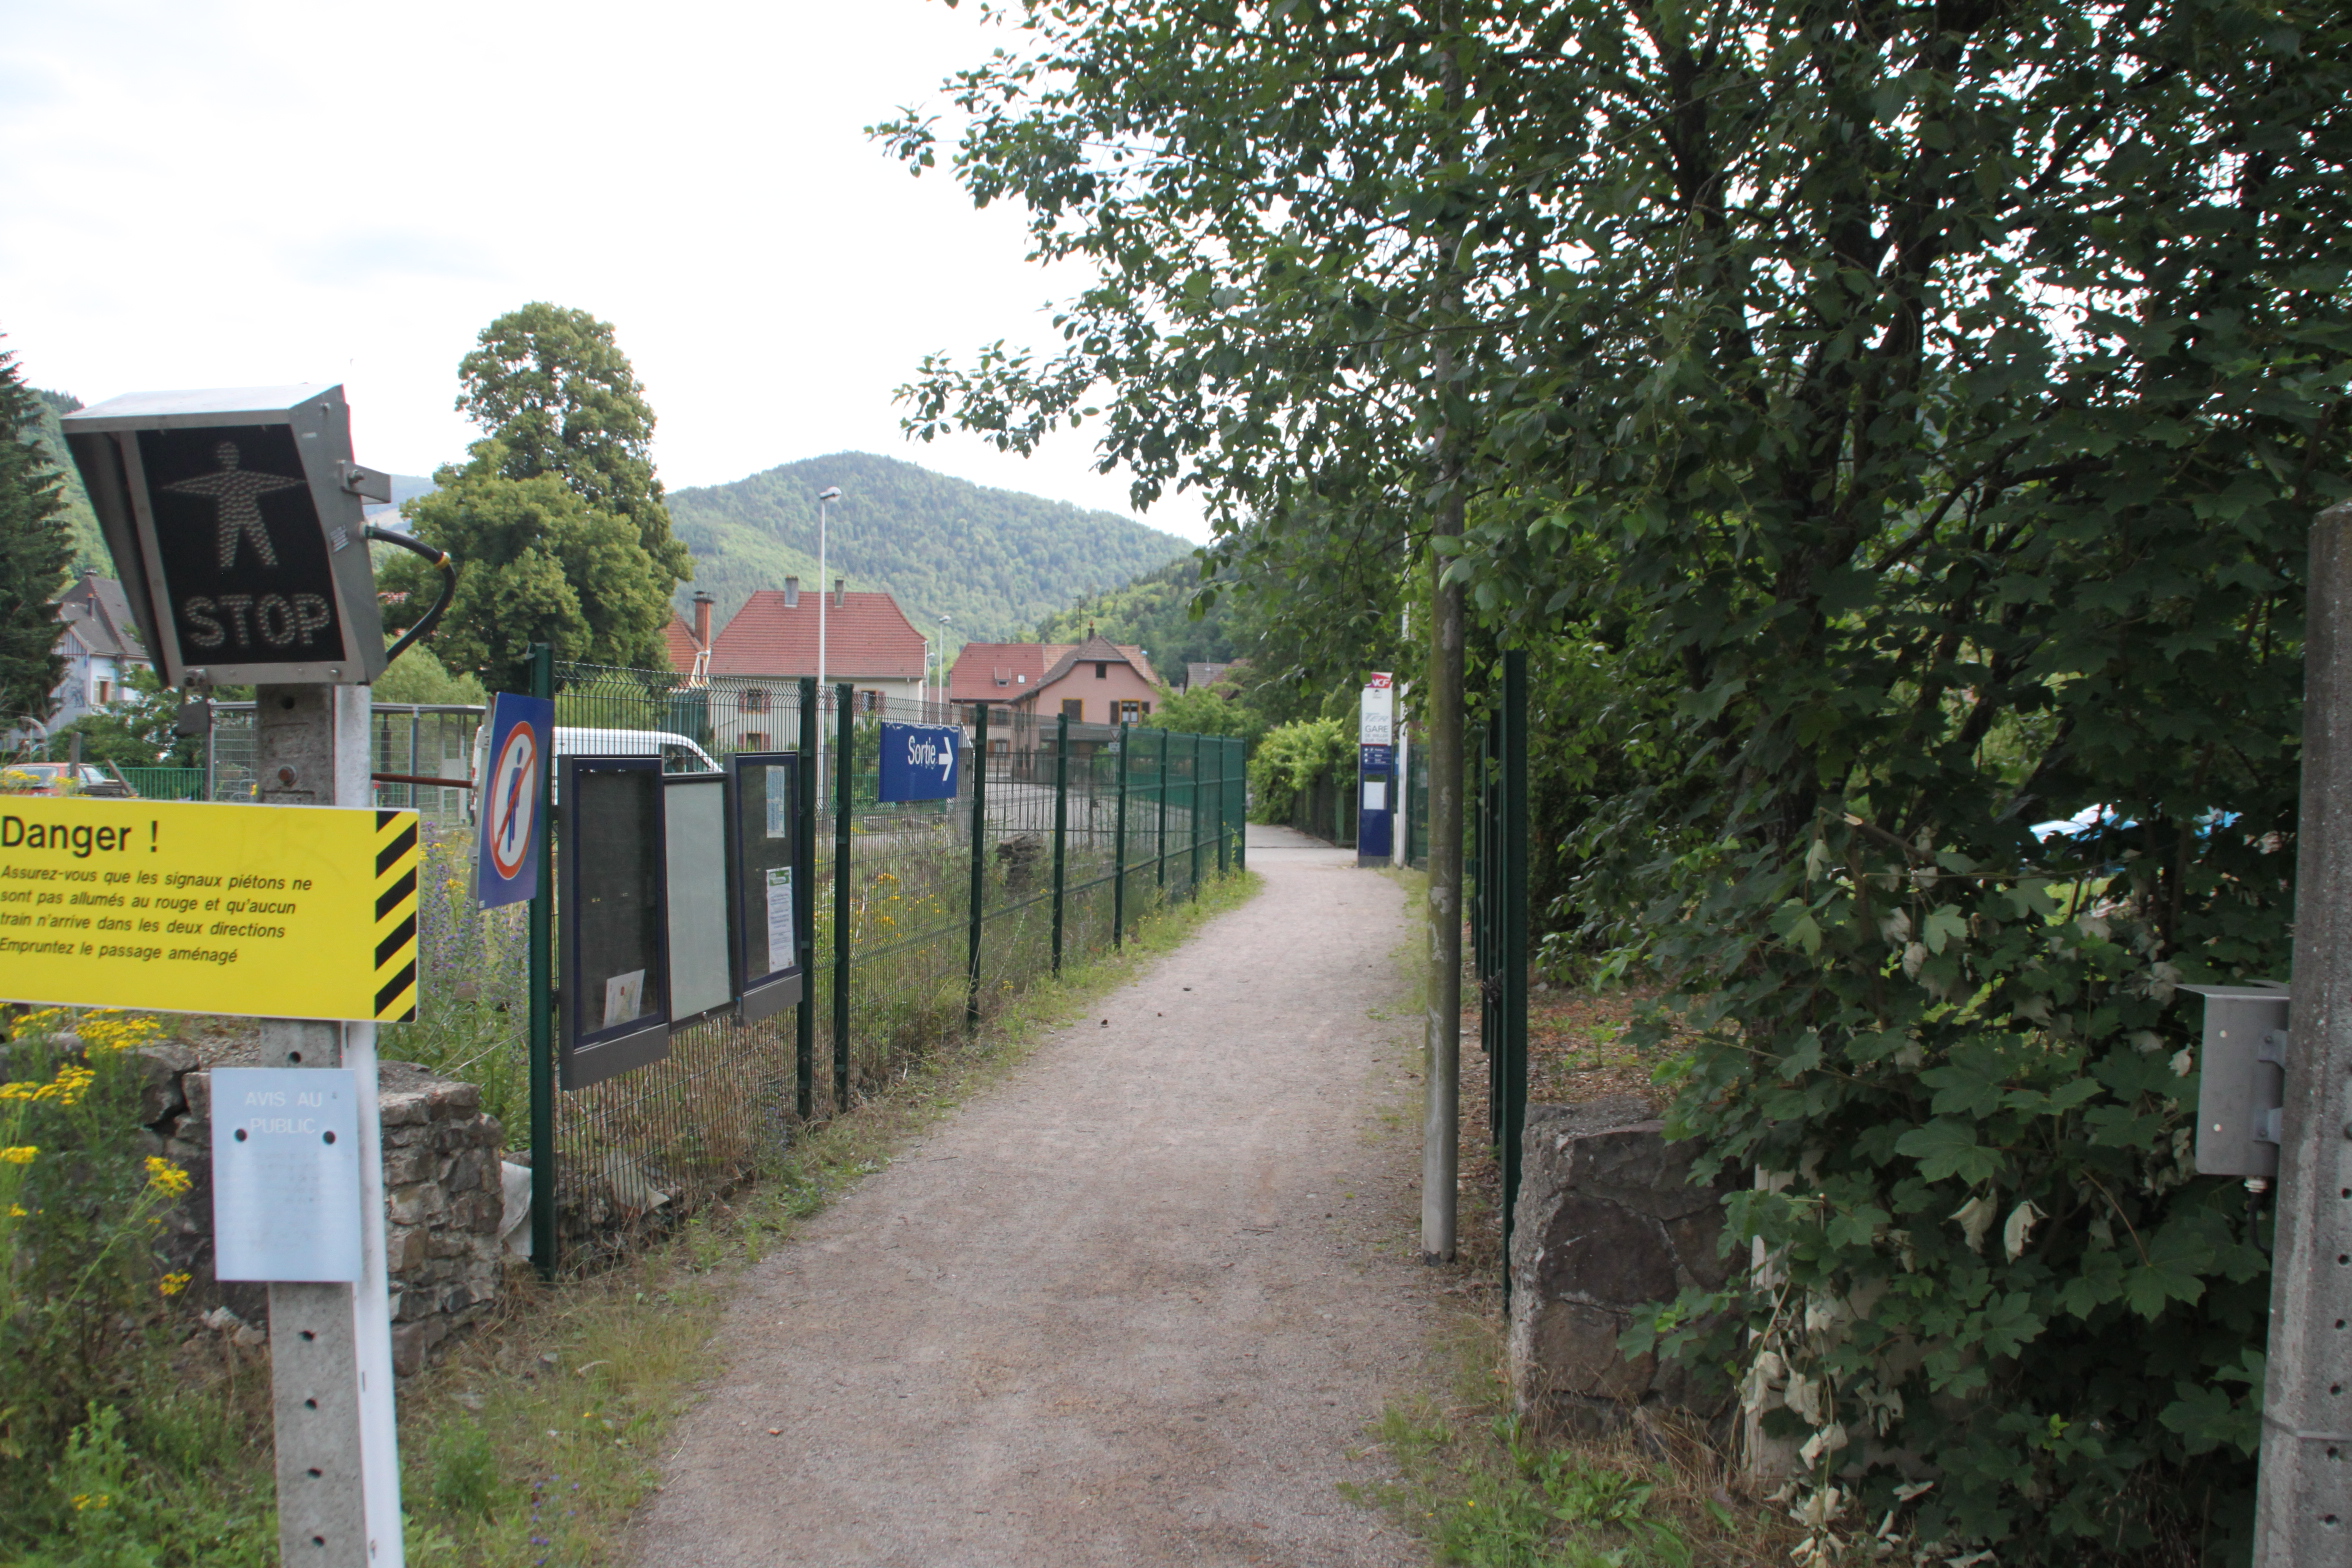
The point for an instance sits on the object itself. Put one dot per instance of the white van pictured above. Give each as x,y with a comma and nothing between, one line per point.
678,753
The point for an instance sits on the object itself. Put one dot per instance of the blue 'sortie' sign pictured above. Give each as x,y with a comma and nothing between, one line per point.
919,761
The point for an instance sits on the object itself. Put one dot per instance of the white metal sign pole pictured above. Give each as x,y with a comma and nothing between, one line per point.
331,1345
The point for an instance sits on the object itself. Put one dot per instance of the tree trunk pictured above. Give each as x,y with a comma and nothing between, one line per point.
1441,1112
1442,1047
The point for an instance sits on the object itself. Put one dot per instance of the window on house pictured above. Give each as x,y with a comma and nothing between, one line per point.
1131,711
105,692
755,699
1023,679
1074,709
999,744
1102,669
755,740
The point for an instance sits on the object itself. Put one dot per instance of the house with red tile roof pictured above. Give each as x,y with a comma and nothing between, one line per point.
1094,682
689,646
771,643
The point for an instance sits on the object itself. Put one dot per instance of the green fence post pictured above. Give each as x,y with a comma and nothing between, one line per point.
1511,1064
542,981
804,872
1192,819
845,723
1119,846
1160,831
1224,806
1061,829
979,864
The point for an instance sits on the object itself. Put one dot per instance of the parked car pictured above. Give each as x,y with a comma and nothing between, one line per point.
66,778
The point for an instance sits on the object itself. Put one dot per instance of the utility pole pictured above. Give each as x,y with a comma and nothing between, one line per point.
2303,1514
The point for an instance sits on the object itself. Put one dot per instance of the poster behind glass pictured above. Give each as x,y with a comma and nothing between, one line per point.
612,904
769,923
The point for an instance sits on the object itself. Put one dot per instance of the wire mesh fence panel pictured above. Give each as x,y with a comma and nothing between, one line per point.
1063,833
638,1151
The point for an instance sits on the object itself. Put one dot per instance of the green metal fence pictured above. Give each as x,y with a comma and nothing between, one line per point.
165,783
927,918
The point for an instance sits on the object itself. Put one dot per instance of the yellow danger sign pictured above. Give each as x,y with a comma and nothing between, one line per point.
267,911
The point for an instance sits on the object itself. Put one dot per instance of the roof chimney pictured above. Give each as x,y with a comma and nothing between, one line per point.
791,593
840,593
702,614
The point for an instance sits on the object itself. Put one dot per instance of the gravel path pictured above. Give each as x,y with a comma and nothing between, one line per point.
1134,1305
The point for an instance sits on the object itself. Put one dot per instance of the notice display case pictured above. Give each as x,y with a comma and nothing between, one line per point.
771,913
613,895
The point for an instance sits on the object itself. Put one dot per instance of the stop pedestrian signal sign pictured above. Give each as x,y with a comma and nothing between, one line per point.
235,519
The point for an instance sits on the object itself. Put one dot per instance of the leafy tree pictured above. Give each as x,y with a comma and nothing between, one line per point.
36,547
536,563
556,519
1914,415
1207,710
557,393
418,676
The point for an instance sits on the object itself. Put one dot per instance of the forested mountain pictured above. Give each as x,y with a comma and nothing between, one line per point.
994,561
1155,611
89,543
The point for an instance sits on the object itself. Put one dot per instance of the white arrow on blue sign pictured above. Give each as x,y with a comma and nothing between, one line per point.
919,761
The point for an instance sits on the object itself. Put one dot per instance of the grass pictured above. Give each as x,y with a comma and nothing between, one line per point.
1478,1488
540,1434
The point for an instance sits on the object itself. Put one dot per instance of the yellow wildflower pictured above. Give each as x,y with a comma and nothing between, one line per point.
21,1154
17,1211
84,1501
165,1177
173,1284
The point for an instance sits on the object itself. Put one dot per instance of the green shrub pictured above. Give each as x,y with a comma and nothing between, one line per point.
108,1457
1290,759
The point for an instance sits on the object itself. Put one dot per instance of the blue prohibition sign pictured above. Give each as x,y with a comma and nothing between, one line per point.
919,761
506,845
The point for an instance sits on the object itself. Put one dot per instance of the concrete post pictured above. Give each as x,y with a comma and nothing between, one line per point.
331,1345
2304,1504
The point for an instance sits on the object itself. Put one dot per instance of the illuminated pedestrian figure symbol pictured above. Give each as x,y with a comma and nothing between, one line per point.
235,494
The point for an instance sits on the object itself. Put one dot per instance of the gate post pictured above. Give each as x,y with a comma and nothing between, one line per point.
1061,829
1510,860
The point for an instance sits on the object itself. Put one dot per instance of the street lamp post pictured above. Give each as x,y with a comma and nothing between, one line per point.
825,498
943,664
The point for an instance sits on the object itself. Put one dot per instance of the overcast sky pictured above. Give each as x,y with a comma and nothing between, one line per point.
245,192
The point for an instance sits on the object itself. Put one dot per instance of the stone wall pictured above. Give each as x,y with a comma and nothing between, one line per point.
445,1194
1607,1221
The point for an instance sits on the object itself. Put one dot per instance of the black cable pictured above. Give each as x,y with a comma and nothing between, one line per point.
440,558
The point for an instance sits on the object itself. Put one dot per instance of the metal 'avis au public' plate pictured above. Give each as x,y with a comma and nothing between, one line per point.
285,1174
